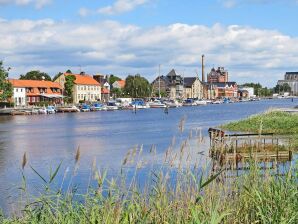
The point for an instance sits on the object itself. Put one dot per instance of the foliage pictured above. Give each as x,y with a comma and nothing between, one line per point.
36,75
68,87
6,104
113,78
6,89
69,71
162,94
116,92
57,76
137,86
259,90
282,88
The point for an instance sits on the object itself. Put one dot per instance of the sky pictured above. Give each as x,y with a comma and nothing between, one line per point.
255,40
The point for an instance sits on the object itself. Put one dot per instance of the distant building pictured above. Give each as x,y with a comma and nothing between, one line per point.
85,87
246,92
193,88
36,91
120,84
218,75
221,90
171,85
291,78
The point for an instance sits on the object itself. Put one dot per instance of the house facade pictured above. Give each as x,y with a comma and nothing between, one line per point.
171,85
85,88
193,88
218,75
291,78
36,92
120,84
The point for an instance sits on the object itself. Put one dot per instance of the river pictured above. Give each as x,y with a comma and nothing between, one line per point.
106,136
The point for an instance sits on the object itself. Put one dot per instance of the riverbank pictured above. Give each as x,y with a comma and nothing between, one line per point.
276,122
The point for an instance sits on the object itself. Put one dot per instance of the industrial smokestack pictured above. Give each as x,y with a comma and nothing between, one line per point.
203,66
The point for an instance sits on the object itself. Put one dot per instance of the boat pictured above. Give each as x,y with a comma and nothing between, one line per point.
201,102
189,102
138,104
172,103
69,109
51,110
217,102
157,104
111,106
85,108
97,107
42,111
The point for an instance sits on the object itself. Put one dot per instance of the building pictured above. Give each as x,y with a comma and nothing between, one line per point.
170,85
246,92
36,92
193,88
85,87
120,84
291,78
221,90
218,75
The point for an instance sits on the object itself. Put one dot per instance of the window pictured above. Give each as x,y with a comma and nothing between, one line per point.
46,90
21,90
17,89
85,88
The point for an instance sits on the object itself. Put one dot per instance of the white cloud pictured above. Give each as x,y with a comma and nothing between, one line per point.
121,6
233,3
249,54
38,3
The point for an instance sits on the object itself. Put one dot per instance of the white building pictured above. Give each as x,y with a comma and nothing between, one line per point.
250,91
19,96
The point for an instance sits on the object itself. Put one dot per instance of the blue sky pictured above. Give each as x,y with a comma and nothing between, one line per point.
256,40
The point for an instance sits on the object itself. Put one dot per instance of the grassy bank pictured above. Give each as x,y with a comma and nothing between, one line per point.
188,196
281,123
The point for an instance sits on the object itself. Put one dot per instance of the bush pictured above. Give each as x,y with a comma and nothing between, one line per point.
6,104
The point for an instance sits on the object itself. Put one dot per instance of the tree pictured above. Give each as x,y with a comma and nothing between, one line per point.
68,87
113,79
69,71
282,88
5,86
116,92
257,87
137,86
36,75
57,76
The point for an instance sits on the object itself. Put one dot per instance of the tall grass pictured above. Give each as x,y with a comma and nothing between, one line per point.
175,192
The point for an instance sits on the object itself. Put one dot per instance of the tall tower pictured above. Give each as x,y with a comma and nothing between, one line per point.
203,67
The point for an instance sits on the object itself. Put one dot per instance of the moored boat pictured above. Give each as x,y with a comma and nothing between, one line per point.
157,104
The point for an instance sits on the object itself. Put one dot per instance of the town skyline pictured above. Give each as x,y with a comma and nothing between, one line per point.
256,41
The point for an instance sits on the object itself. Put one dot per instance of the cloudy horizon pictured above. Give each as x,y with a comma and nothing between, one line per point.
124,37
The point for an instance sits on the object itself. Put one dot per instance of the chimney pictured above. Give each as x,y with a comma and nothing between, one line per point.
203,67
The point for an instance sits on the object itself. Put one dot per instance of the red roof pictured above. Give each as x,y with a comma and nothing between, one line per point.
105,91
121,83
34,84
84,80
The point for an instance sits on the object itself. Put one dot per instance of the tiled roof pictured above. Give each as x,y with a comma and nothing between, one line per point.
189,81
121,83
34,84
84,80
105,91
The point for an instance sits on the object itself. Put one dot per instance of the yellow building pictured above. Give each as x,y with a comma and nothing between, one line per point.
193,88
85,87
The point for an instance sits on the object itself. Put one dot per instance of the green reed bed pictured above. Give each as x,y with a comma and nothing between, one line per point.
191,195
281,123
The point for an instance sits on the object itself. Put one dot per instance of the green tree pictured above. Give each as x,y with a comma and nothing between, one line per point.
116,92
113,78
36,75
69,71
5,86
68,87
137,86
282,88
57,76
257,87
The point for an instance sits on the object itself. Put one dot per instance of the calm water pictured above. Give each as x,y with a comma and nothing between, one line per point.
50,139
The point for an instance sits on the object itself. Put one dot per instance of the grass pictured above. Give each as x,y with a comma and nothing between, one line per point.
176,192
280,123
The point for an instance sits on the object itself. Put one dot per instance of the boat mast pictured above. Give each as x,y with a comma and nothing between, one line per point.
159,80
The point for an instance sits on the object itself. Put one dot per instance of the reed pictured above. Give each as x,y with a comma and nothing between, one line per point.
181,190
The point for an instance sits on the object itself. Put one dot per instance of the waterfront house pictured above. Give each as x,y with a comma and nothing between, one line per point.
171,85
36,92
193,88
105,94
223,89
218,75
85,87
291,78
120,84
